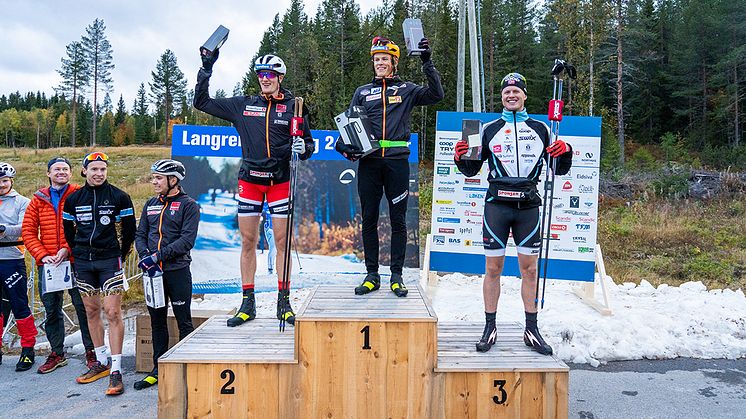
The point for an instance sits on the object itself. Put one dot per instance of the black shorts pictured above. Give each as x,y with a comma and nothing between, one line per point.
104,276
500,218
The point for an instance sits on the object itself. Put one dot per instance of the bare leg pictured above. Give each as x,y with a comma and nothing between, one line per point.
249,228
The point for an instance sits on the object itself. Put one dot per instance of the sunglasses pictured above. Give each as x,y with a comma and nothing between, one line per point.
266,74
97,156
379,41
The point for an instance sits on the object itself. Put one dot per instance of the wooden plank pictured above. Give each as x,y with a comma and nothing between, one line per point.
172,392
230,390
397,346
322,316
200,390
264,395
164,357
422,358
308,299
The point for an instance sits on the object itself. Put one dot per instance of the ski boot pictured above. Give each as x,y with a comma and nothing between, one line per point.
532,338
284,310
371,283
246,313
26,360
489,336
397,285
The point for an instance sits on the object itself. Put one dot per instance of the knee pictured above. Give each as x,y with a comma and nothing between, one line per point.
113,315
249,241
493,272
528,273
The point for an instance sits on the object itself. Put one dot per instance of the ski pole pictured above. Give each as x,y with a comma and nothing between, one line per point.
295,131
555,116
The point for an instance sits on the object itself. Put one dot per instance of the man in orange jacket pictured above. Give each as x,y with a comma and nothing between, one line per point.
44,237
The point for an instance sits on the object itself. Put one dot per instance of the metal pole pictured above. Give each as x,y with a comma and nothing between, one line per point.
461,56
476,90
481,53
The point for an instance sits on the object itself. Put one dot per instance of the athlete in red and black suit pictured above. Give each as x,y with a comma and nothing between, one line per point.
263,123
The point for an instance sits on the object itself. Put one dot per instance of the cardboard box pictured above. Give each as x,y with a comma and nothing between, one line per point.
143,335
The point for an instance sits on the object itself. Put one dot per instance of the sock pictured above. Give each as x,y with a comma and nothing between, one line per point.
531,321
489,317
101,354
247,287
116,363
281,287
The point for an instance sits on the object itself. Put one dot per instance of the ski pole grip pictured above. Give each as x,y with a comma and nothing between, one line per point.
296,126
555,109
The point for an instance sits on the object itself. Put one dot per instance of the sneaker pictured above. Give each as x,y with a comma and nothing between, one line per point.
116,386
284,310
246,313
54,361
97,371
26,360
90,358
397,285
533,339
489,336
149,381
371,283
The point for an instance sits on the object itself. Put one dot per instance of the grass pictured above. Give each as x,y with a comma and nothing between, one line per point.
129,169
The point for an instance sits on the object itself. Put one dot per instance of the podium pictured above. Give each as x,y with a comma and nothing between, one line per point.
349,356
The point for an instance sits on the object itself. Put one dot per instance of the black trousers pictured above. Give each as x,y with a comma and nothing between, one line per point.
178,289
55,322
376,177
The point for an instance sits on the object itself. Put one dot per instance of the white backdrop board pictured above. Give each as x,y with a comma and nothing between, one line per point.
458,203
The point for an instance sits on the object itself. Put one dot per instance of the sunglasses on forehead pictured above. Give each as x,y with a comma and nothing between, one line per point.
97,156
266,74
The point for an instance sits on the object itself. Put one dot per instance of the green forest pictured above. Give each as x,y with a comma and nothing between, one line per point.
665,75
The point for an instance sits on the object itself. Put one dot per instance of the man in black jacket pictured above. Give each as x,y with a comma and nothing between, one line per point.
388,102
166,234
515,147
263,123
90,217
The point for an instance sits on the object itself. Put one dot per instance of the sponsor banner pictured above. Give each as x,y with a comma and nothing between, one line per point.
574,216
223,141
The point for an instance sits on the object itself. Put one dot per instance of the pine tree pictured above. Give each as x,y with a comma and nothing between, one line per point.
98,54
168,86
74,73
121,112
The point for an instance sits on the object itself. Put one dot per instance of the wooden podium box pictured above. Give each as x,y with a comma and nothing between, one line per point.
368,356
509,381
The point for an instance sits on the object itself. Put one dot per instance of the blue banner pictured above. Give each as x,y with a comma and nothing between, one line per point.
223,141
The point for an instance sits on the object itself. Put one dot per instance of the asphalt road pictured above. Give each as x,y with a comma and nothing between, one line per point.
680,388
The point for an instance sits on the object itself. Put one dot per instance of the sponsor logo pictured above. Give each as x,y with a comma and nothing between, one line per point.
583,227
254,113
467,203
562,219
475,195
372,97
508,131
474,181
439,239
584,176
525,137
567,186
110,212
585,189
510,194
452,240
447,210
443,201
579,239
394,99
175,206
554,236
281,122
528,147
585,249
83,208
562,250
469,213
588,204
508,148
472,188
105,220
497,148
256,108
446,189
525,156
558,227
256,173
587,219
476,223
449,220
559,205
375,90
446,230
85,217
347,176
281,108
473,243
466,230
444,170
573,212
447,182
574,202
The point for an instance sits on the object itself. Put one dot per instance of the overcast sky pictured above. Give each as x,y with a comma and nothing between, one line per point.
34,33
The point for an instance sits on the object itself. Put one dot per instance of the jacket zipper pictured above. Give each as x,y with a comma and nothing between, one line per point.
383,131
93,213
517,155
266,129
160,226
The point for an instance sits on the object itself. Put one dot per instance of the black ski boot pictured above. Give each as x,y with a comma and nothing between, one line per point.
489,336
397,285
246,313
284,310
149,381
26,360
371,283
532,338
